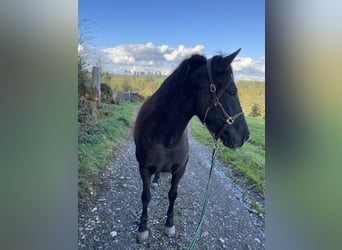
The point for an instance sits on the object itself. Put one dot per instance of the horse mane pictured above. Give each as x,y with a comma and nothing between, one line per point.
175,84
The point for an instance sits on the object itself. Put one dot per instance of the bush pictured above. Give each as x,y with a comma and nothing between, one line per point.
84,80
106,93
255,111
87,126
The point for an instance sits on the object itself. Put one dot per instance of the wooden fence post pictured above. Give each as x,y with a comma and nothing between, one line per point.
97,86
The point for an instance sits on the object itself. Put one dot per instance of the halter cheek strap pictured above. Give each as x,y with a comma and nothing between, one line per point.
215,102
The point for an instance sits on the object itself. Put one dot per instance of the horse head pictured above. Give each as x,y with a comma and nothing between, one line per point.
217,103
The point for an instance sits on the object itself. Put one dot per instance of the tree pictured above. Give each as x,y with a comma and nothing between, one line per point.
255,111
82,78
126,85
106,93
105,77
85,38
84,41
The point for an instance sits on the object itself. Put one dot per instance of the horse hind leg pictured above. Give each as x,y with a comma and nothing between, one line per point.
170,229
155,180
145,174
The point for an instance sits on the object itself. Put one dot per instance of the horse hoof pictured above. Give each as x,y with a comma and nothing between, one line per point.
142,236
170,231
154,185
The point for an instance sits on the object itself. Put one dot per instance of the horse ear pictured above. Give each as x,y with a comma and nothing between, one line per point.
230,58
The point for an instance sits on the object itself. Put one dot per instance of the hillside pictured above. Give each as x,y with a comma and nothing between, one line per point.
251,93
252,97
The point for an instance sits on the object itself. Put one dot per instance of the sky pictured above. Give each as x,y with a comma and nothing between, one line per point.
156,35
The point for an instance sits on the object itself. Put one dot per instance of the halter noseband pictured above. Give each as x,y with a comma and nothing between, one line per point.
215,101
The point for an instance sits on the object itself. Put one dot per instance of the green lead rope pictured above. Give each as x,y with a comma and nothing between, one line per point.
206,198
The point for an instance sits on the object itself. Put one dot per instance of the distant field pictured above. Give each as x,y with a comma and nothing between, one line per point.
248,160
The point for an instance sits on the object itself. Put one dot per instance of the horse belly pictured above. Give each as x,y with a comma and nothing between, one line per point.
164,158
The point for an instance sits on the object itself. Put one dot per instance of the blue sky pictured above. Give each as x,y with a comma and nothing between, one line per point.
156,35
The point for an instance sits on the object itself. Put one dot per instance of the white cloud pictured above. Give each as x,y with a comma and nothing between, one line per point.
148,63
80,48
163,48
171,56
246,68
146,57
136,53
122,59
152,58
240,63
182,52
119,55
149,45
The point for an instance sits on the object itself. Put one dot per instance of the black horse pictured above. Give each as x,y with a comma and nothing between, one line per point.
200,87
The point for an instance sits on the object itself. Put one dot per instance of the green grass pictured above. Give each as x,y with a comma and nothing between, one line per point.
255,206
98,135
248,160
257,129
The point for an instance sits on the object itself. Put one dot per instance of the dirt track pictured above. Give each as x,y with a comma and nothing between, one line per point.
109,219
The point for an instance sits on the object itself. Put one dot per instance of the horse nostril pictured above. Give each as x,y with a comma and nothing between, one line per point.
246,138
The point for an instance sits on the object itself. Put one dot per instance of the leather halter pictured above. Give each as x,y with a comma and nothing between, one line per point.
215,102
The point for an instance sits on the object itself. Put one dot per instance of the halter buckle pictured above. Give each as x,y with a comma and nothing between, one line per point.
212,88
215,101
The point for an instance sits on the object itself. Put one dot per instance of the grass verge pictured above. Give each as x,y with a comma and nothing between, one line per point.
248,160
98,134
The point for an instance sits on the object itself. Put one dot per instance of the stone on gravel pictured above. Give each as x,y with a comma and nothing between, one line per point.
113,234
204,234
170,231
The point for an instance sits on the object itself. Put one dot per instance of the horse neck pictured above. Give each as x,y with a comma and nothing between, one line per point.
179,118
179,114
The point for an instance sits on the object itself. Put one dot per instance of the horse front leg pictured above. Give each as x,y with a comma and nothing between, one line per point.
145,198
155,180
170,229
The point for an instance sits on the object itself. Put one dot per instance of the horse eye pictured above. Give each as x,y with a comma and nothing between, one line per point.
232,91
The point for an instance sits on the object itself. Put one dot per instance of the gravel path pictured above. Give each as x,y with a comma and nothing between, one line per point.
109,219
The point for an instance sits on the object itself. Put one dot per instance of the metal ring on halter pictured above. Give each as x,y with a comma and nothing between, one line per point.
230,120
212,88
